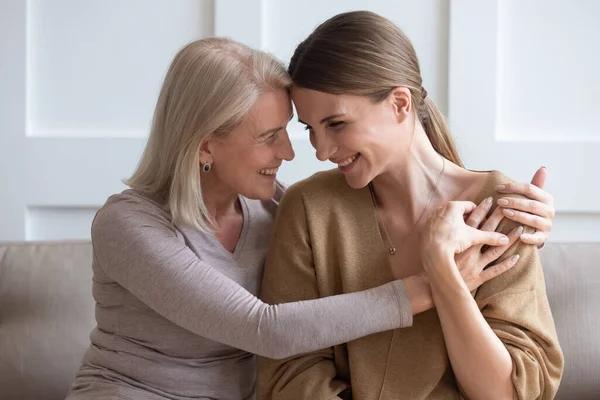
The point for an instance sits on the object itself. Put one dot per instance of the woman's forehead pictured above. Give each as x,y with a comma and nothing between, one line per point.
312,101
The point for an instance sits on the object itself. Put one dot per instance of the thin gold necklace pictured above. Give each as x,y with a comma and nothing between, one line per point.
392,248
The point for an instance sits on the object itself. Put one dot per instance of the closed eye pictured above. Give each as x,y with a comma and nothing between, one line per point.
335,124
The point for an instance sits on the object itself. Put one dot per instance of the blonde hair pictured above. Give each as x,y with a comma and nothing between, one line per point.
209,88
362,53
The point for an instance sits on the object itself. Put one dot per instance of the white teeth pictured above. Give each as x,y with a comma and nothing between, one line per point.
348,161
271,171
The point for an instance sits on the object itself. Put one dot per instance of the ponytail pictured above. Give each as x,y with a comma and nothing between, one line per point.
438,132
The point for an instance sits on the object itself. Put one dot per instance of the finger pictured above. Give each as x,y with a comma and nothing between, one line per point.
463,207
492,223
495,252
539,178
498,269
527,205
475,237
534,221
538,238
477,216
526,189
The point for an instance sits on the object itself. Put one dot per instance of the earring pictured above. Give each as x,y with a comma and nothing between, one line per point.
206,167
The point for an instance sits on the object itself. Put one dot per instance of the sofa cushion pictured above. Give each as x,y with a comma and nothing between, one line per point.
572,276
46,315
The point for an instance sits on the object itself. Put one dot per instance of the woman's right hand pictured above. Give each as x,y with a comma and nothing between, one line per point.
470,263
453,242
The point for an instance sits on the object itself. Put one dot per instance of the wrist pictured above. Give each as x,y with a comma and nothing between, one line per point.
444,277
434,257
419,293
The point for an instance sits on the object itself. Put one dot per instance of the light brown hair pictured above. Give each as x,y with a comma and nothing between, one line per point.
362,53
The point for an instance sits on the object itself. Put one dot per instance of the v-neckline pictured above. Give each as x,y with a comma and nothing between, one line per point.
239,246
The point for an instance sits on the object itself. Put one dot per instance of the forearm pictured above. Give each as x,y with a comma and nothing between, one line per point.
480,361
299,327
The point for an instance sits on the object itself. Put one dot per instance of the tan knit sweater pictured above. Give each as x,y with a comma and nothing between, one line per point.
327,241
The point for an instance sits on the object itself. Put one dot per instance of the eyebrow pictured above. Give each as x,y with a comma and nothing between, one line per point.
324,119
267,132
273,130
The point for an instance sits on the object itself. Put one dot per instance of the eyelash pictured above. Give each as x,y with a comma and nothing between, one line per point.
331,124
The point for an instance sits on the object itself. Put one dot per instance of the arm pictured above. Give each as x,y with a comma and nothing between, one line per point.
138,248
515,306
511,342
471,343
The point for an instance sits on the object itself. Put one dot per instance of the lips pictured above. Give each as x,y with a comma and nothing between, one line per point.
347,161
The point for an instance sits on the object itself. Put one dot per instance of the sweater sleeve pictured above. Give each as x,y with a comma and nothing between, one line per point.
141,250
516,307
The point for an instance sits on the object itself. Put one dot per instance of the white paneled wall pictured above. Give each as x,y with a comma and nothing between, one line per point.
523,93
548,56
94,67
79,80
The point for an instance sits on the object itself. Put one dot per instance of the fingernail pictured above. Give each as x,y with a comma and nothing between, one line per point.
489,200
520,230
500,187
503,240
514,258
508,213
525,236
544,167
503,202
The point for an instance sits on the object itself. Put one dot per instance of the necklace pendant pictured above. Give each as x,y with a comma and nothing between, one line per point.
392,250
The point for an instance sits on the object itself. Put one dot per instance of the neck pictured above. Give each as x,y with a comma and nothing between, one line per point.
220,200
410,186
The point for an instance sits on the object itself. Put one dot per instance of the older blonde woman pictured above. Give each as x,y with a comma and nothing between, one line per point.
178,258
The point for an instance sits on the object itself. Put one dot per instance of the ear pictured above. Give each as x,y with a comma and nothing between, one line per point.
401,101
206,148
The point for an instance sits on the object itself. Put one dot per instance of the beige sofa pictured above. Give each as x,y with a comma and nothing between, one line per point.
47,312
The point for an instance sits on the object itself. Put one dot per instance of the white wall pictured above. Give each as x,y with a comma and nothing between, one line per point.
79,81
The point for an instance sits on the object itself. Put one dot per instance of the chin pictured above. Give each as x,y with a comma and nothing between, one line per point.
356,182
261,192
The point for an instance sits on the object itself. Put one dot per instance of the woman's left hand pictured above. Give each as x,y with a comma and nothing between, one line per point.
537,211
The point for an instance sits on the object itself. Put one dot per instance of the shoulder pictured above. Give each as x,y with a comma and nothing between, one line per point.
314,195
488,189
317,187
488,183
526,275
128,213
497,178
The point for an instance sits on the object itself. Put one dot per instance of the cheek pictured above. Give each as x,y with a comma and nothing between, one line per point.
256,158
390,137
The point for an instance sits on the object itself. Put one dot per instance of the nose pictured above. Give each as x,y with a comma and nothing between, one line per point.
286,151
323,145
